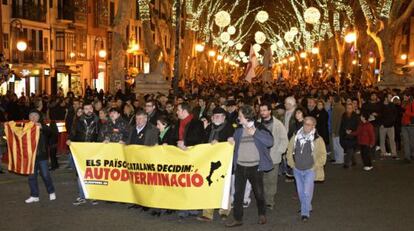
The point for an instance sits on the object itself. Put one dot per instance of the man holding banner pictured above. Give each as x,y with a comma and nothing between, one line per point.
84,130
190,132
219,130
251,158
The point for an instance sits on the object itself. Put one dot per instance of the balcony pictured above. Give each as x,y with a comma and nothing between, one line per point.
37,57
30,11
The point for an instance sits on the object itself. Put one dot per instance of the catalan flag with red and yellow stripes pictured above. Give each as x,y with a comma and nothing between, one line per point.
22,144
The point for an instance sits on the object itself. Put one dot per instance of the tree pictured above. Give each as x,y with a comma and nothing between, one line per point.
119,45
384,19
177,47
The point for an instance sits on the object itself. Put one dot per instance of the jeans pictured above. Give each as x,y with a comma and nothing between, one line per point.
407,135
270,184
366,155
42,167
305,185
255,177
338,150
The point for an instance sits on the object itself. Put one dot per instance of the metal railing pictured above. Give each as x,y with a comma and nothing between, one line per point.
29,56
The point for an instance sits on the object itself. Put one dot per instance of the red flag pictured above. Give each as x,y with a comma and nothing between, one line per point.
22,146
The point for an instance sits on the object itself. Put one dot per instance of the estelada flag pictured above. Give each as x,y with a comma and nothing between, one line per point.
22,146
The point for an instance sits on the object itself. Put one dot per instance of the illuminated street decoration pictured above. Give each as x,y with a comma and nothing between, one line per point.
231,30
225,37
222,18
262,16
312,15
259,37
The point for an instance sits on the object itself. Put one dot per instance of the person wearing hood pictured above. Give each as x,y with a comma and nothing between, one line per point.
306,154
41,161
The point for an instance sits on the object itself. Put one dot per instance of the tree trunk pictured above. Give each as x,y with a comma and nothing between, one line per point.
152,50
1,30
119,45
177,48
340,47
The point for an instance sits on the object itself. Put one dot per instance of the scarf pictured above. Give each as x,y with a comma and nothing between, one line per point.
162,134
183,124
215,130
304,138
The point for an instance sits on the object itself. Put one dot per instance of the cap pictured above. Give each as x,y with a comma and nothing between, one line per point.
219,110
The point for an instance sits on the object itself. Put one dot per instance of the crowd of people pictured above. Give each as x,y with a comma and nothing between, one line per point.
276,129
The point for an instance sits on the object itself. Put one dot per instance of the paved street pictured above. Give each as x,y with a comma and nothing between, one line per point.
349,200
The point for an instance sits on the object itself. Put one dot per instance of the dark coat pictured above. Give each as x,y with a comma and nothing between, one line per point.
42,146
83,131
169,137
348,123
389,115
370,108
154,116
148,136
223,135
115,132
322,119
198,114
194,133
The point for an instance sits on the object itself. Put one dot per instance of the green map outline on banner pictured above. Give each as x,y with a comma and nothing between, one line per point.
159,176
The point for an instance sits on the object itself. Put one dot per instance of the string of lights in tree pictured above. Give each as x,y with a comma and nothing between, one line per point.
144,10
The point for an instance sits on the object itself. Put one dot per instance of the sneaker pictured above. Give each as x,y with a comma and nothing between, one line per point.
79,201
377,148
246,204
94,202
368,168
305,218
32,200
204,218
52,196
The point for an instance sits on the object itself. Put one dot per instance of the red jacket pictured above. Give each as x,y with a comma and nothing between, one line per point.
365,134
408,113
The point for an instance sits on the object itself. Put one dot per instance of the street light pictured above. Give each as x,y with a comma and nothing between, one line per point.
350,37
315,50
371,60
219,57
21,45
212,53
199,47
102,51
404,56
354,62
292,59
303,55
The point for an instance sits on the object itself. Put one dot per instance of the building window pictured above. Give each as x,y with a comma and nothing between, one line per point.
112,13
81,44
60,46
51,3
6,41
70,46
4,2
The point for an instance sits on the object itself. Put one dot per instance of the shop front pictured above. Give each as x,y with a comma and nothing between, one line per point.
66,80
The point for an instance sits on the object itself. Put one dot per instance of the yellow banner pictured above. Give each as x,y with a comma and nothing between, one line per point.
159,177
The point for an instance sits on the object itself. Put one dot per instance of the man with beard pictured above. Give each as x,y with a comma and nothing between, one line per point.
85,130
219,130
281,141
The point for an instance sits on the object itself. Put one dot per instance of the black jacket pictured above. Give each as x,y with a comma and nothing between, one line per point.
224,133
42,146
168,138
194,133
370,108
147,136
348,123
389,115
114,132
85,129
198,114
322,118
